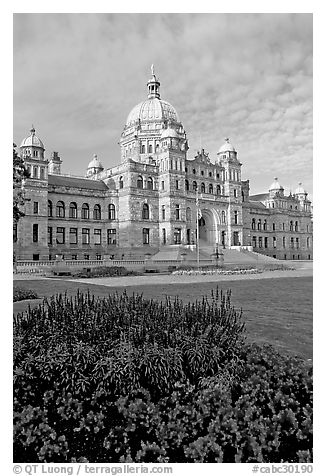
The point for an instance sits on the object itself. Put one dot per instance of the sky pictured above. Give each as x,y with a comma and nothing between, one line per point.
243,76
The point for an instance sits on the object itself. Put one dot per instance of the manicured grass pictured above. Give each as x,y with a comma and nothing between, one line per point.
276,311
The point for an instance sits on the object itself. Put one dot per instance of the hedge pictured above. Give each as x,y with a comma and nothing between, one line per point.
127,379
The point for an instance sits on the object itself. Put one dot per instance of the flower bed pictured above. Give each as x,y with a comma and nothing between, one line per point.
195,272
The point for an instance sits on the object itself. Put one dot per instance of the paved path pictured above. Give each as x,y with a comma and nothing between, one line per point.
153,279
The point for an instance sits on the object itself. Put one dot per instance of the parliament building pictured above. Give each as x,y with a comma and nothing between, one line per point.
152,199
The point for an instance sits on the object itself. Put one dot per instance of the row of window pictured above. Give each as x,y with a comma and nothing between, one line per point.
70,236
263,242
260,225
60,210
210,174
36,172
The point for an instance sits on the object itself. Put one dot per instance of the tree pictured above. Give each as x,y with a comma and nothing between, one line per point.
19,174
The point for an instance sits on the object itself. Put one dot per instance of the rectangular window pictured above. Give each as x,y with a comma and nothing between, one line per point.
283,241
260,242
177,236
163,212
145,236
98,257
162,185
273,226
36,257
85,236
86,257
35,208
254,241
297,243
235,193
15,232
74,257
35,233
50,235
73,236
177,184
235,217
177,212
164,236
274,241
97,236
112,236
60,235
266,242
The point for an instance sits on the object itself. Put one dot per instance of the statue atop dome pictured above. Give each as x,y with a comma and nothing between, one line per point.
152,70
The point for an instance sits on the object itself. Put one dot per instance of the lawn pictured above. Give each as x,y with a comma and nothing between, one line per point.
276,311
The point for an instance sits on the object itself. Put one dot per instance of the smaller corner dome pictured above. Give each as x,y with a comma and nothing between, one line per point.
227,147
300,189
169,132
95,163
32,140
275,185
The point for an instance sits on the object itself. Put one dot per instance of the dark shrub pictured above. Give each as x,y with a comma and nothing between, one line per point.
129,379
21,294
104,271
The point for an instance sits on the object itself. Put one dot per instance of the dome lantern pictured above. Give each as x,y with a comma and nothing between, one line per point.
153,86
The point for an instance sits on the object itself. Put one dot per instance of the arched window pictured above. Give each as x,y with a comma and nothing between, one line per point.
194,185
111,212
202,188
291,225
140,182
265,225
97,212
253,224
223,217
188,214
73,210
35,172
150,148
210,188
142,149
121,182
50,211
187,184
60,210
145,212
218,190
194,171
85,211
296,226
150,183
259,224
42,173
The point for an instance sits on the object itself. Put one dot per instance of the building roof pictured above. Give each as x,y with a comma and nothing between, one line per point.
259,197
32,140
76,182
152,109
227,147
255,204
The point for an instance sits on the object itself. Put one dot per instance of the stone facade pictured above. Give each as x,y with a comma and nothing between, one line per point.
152,198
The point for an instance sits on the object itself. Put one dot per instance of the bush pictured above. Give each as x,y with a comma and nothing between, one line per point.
133,380
20,294
104,271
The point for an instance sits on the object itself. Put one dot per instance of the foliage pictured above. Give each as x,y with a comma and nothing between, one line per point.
21,294
134,380
19,174
104,271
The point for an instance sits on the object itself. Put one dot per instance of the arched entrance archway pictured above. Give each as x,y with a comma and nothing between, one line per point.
207,227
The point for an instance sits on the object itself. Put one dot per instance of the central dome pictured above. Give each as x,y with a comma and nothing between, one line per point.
152,109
